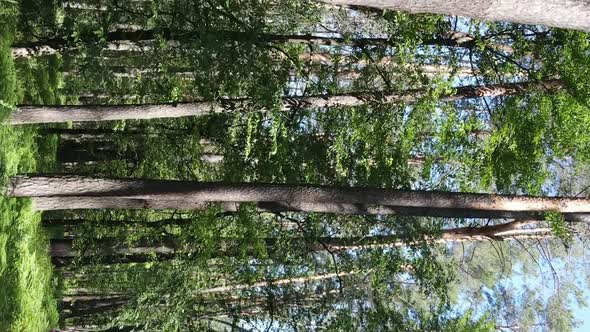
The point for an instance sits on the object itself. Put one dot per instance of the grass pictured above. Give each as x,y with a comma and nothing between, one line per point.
26,281
26,294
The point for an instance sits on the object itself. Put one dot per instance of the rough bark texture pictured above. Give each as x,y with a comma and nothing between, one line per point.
569,14
293,196
95,203
81,203
53,114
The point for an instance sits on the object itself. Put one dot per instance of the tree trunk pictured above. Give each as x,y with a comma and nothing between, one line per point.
346,75
50,222
72,151
54,114
112,250
304,198
92,203
81,306
286,281
58,45
342,74
572,14
329,59
108,135
124,39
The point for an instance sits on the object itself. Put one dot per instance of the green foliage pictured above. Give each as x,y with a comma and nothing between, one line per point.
8,76
28,284
40,81
516,152
559,227
213,50
25,270
567,56
381,316
560,317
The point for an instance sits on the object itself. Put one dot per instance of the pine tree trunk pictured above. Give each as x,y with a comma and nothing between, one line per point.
165,193
54,114
92,203
572,14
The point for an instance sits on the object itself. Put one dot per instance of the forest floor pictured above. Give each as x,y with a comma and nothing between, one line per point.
27,284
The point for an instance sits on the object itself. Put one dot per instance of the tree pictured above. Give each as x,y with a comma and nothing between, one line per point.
553,13
45,114
125,40
134,193
113,251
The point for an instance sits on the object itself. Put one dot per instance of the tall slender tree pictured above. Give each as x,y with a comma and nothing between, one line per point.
46,114
84,192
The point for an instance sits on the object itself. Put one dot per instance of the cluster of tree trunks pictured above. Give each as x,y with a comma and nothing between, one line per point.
112,250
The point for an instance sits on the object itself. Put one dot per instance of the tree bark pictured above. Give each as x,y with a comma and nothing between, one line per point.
54,114
61,257
572,14
123,39
92,203
303,198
